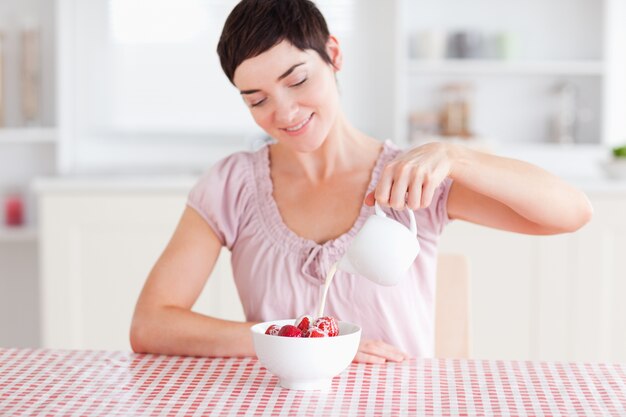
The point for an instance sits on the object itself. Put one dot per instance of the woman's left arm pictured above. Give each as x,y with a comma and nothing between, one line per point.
489,190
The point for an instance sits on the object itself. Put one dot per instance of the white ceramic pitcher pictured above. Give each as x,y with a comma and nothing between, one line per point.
383,250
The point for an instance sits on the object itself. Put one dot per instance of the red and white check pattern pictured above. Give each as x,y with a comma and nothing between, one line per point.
91,383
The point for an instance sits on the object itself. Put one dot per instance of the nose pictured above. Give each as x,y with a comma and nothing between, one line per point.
286,111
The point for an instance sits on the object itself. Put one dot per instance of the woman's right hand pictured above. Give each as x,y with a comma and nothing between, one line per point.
377,351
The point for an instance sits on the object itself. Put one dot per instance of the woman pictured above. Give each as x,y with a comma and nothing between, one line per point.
288,211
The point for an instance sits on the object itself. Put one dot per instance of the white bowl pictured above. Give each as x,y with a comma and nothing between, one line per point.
615,168
304,363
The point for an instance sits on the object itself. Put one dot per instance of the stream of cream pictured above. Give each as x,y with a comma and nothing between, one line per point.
329,278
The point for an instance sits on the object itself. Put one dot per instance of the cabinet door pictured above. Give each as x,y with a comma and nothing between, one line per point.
548,297
501,266
579,289
96,252
597,284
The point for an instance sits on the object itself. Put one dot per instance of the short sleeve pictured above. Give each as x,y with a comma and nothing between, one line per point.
220,196
438,209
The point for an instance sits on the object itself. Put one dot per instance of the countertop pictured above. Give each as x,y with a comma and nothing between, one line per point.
115,183
580,165
183,183
101,383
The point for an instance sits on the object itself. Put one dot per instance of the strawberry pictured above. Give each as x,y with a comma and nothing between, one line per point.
290,331
314,332
328,325
304,322
272,330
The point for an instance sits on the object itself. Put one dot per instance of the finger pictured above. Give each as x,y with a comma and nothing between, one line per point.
382,349
399,187
415,193
369,199
383,188
428,191
362,357
393,354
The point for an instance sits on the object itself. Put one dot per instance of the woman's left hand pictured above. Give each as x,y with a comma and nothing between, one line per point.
412,178
377,351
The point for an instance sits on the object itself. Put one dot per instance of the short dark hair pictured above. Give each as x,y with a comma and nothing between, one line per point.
254,26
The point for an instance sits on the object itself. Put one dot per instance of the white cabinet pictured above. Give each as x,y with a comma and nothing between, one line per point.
27,72
514,92
97,249
549,297
27,149
24,152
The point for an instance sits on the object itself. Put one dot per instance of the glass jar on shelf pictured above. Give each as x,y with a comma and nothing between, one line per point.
423,126
456,110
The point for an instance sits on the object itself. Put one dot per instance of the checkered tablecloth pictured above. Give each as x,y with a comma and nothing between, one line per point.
92,383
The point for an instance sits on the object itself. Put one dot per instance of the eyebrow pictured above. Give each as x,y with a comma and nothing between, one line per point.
283,76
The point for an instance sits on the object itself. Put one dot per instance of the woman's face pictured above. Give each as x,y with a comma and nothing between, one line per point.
292,94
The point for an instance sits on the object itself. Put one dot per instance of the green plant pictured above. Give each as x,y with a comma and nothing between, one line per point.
619,152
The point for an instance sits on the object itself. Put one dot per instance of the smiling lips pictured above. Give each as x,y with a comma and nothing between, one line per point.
299,127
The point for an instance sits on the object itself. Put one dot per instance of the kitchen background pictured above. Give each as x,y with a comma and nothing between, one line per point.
110,109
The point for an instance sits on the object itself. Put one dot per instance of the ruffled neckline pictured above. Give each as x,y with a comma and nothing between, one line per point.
273,221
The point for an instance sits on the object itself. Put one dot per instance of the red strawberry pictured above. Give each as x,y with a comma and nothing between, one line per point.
304,322
290,331
272,330
314,332
328,325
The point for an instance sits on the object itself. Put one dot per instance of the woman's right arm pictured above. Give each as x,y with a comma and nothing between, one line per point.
163,321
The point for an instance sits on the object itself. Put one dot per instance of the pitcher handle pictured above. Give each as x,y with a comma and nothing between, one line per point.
413,224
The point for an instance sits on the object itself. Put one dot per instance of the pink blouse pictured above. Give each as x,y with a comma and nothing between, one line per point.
279,274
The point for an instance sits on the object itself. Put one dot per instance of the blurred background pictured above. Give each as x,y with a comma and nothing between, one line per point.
111,109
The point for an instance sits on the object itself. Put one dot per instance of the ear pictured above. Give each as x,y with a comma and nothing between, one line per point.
334,52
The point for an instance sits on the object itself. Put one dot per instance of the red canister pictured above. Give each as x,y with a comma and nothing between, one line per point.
13,210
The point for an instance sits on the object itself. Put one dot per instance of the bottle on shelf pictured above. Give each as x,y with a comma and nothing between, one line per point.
428,45
30,74
565,119
2,85
466,44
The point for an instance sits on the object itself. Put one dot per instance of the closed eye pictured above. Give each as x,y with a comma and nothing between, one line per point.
258,103
299,83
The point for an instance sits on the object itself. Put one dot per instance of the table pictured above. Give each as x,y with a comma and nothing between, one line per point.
100,383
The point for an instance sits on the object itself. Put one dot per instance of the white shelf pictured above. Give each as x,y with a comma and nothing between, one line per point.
28,135
17,234
499,67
